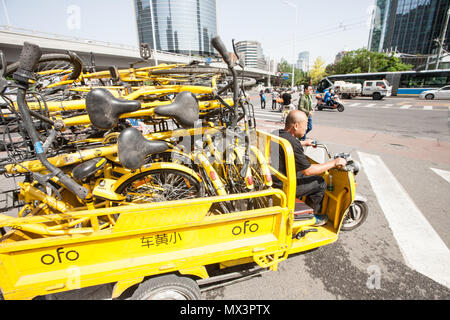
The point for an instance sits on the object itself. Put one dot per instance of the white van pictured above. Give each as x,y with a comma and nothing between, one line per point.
377,89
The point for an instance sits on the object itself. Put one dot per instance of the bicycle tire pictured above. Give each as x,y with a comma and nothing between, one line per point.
69,62
177,185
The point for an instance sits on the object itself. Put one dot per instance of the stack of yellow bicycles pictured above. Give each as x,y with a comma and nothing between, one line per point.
76,141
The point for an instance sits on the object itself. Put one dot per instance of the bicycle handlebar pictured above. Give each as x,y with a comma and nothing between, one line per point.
29,58
220,47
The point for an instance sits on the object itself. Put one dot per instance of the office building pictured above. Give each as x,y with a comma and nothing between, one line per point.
252,53
303,61
180,26
339,56
408,26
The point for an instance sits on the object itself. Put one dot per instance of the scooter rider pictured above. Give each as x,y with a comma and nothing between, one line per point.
327,97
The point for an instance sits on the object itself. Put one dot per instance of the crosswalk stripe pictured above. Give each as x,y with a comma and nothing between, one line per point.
421,246
354,104
442,173
370,105
428,108
406,107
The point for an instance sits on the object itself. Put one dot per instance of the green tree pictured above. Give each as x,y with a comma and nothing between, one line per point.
318,70
359,61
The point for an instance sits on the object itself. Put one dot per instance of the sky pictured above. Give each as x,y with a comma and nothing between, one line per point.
110,21
324,27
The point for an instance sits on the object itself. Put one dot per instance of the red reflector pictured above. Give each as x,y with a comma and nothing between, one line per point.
250,180
213,176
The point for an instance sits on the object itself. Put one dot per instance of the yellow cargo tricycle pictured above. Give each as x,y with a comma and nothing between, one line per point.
161,249
81,227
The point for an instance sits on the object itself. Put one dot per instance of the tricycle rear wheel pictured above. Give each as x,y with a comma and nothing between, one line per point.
167,287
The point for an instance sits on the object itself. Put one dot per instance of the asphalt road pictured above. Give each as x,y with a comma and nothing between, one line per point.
407,139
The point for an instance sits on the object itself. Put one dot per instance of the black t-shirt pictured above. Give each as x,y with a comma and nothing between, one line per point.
286,98
278,158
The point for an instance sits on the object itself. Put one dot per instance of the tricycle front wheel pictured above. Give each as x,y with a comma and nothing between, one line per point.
356,216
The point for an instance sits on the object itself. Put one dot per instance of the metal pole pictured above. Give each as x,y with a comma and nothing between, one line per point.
8,22
293,53
153,32
293,41
441,42
269,85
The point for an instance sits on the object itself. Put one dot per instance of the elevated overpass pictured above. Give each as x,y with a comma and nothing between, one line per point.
106,54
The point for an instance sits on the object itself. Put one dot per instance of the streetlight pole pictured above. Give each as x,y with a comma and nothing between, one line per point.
369,64
441,42
293,42
153,32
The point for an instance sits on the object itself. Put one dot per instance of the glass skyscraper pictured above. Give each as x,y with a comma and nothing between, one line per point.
181,26
409,26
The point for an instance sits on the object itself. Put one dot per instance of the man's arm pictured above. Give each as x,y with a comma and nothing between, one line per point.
317,169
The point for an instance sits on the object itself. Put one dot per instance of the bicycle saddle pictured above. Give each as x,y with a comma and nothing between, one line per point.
184,109
104,109
88,168
133,148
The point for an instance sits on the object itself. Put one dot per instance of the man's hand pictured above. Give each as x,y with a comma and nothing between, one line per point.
340,162
307,143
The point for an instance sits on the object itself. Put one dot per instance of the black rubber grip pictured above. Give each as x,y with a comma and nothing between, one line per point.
220,47
29,57
70,184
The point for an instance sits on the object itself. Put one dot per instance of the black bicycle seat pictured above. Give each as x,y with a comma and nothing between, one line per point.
104,109
88,168
184,109
133,148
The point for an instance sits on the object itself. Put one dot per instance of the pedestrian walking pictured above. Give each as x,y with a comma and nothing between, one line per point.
263,99
306,105
275,96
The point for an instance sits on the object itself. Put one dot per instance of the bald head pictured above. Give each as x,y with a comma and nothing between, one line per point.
296,123
295,116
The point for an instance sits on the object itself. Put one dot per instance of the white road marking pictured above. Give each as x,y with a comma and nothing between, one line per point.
370,105
444,174
428,108
406,107
422,248
387,106
354,104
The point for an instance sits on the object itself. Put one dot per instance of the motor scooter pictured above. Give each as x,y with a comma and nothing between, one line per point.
333,103
359,209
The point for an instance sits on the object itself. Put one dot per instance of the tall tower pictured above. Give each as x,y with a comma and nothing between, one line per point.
180,26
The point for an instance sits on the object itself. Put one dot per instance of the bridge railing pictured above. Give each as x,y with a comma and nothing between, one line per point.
133,51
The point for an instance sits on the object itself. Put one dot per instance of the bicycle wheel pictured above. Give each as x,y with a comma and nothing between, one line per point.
160,185
53,70
259,183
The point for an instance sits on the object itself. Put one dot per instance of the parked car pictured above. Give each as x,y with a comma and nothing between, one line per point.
442,93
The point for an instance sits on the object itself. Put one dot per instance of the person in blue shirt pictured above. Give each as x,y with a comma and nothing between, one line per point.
263,99
327,97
